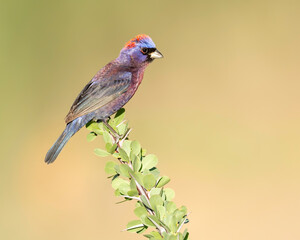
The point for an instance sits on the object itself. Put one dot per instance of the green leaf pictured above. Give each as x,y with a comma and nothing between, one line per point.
124,188
154,220
146,172
101,126
95,127
183,209
172,237
125,170
136,163
116,155
138,177
110,168
107,138
117,193
117,168
126,147
133,192
140,211
122,128
171,222
155,191
149,161
179,236
165,226
135,147
170,207
144,151
119,116
135,226
162,181
91,136
185,234
145,220
123,155
153,236
117,182
170,194
179,215
156,200
110,147
161,211
149,181
155,172
132,183
142,230
165,235
145,202
91,125
101,152
111,123
156,235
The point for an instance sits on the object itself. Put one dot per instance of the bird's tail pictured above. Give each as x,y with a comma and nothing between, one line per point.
70,130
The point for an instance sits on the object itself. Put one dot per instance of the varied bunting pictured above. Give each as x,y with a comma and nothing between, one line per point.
109,90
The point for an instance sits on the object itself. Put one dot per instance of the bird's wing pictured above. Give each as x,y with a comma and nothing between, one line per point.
97,93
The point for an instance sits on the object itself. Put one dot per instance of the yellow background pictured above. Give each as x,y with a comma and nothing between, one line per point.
221,112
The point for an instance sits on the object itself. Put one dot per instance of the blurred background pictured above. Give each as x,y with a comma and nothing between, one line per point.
221,112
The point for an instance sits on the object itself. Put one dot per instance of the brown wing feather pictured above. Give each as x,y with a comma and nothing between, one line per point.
98,93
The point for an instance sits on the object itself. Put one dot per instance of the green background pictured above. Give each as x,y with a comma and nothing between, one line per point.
221,112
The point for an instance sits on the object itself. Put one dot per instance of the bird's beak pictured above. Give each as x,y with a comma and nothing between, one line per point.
156,54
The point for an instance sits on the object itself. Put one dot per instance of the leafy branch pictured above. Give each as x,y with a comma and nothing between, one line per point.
135,177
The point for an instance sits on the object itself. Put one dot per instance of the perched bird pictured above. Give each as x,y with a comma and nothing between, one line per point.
109,90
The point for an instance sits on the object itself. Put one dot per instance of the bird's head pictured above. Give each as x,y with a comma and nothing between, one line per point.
140,50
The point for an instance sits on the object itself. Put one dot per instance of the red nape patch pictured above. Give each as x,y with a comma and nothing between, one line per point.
131,42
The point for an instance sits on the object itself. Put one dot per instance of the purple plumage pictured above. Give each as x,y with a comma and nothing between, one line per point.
109,90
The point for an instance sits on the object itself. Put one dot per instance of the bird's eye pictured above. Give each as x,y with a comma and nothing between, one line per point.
144,50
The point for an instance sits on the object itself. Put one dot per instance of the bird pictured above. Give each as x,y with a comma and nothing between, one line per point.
109,90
